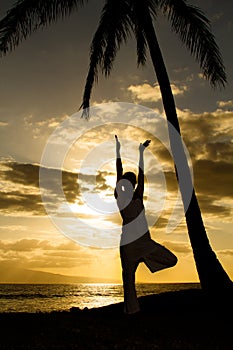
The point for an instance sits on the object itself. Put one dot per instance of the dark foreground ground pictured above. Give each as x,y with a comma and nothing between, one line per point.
176,320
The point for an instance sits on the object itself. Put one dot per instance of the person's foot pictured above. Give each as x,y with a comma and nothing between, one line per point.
133,315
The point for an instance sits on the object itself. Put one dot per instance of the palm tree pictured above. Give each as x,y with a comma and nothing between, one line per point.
119,20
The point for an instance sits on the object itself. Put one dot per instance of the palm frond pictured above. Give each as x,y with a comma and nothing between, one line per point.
194,29
141,46
114,29
138,20
119,28
26,16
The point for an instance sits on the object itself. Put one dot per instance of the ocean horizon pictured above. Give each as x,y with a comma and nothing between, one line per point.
62,297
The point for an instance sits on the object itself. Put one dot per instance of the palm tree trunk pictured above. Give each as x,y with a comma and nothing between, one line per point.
211,273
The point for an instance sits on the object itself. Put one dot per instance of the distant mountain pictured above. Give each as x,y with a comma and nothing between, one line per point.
11,274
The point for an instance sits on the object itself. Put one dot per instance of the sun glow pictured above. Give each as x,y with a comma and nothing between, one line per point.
110,181
82,209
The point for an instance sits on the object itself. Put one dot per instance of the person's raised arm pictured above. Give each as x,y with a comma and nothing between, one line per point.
119,168
140,186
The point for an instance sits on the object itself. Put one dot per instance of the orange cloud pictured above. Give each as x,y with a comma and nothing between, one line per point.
148,93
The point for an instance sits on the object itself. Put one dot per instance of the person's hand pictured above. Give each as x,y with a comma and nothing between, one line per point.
144,145
118,145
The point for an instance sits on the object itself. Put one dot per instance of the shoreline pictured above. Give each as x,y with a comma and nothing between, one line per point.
187,319
47,298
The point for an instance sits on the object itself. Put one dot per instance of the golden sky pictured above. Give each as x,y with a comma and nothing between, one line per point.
41,89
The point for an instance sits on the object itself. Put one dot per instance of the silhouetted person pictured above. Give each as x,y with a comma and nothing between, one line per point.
136,244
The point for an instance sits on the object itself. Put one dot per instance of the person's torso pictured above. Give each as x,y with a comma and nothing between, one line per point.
134,223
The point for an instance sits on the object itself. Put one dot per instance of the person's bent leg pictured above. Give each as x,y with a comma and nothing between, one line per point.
160,258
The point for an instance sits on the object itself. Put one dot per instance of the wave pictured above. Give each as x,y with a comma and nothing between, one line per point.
30,296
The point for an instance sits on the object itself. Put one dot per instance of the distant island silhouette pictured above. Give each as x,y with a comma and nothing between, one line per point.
13,274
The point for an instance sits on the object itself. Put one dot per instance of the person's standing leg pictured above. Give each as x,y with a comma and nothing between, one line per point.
131,304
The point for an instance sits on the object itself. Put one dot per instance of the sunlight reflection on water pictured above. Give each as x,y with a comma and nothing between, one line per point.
50,297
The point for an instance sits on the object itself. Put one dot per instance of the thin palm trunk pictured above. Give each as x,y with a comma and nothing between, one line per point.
210,271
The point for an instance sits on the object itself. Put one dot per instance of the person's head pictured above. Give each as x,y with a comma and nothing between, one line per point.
131,177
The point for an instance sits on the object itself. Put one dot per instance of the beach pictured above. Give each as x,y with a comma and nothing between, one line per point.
186,319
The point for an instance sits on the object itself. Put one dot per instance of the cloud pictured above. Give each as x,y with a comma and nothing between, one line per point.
148,93
37,254
215,206
225,104
206,128
3,123
208,137
178,247
226,252
20,190
16,202
209,140
180,70
23,245
42,127
28,245
221,175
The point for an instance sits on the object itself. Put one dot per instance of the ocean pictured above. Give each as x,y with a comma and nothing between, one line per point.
61,297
